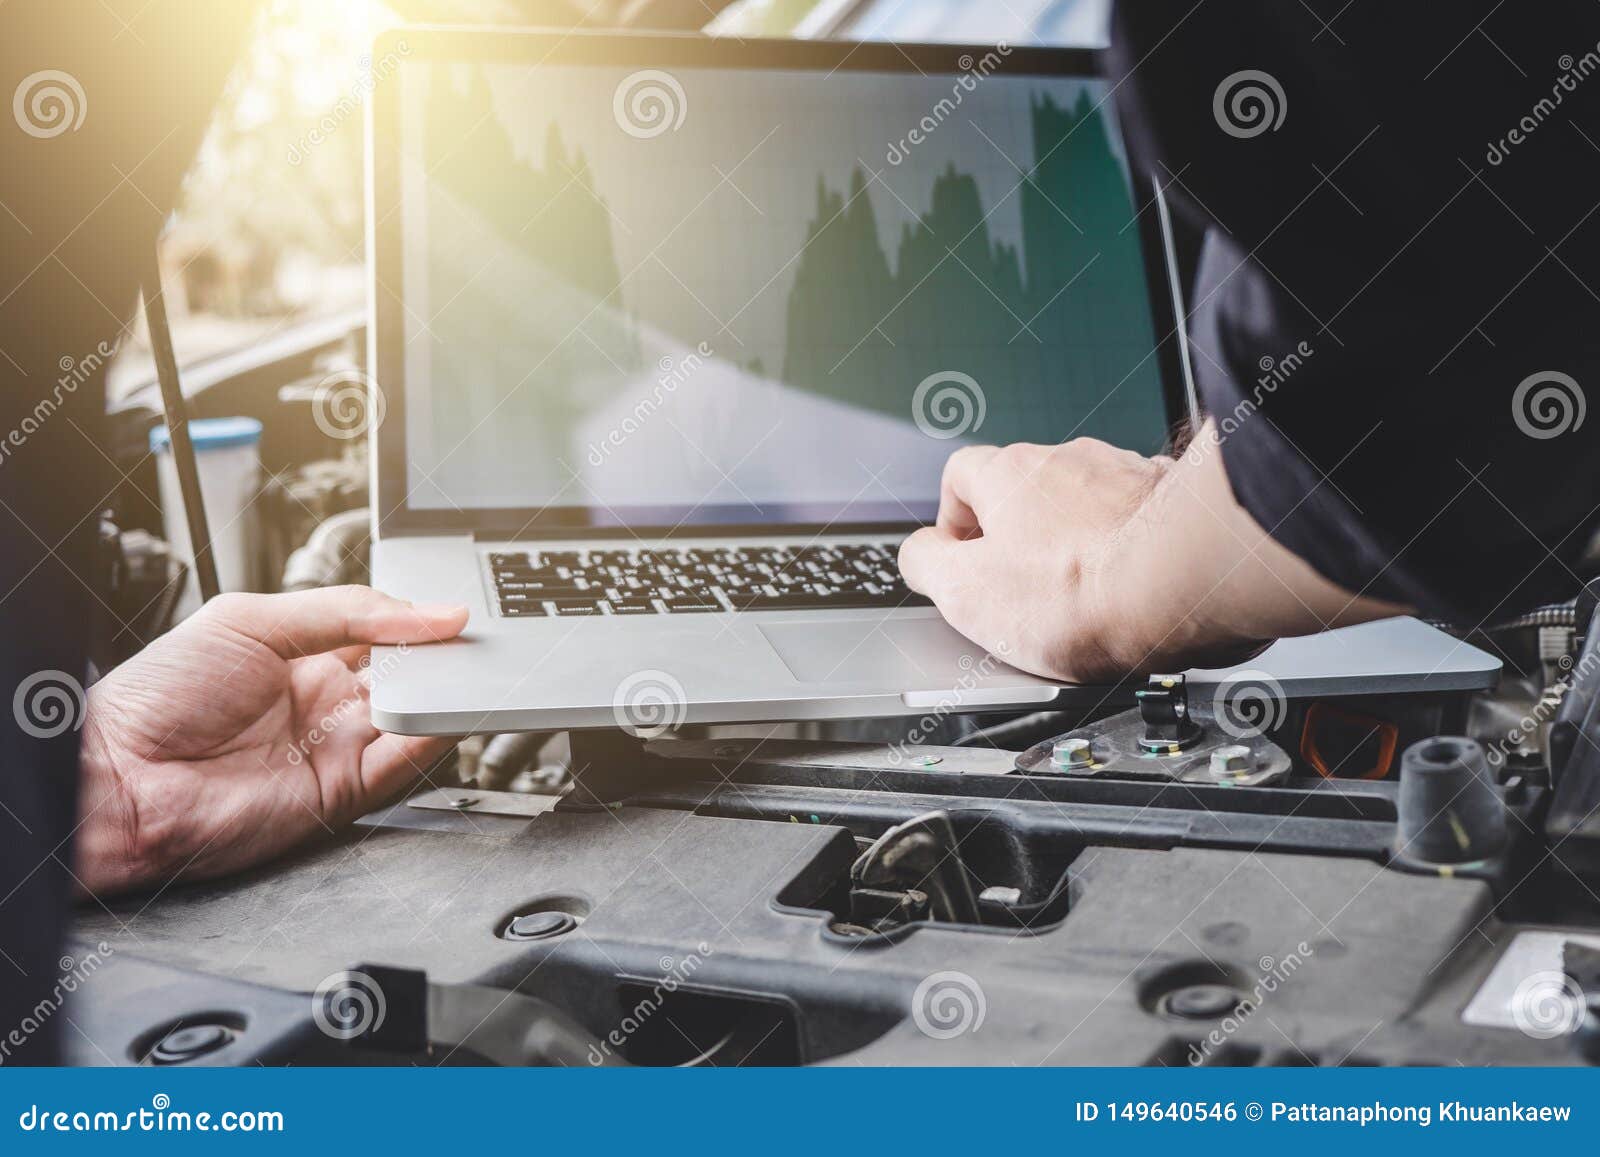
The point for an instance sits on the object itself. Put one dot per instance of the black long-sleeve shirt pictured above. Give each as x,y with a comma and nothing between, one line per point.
1396,319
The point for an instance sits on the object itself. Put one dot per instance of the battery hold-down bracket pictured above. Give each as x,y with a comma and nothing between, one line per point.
1164,738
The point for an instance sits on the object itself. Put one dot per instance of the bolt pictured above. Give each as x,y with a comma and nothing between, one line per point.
1072,753
1233,760
928,760
463,802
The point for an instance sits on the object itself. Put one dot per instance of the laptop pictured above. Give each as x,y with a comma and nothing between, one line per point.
671,337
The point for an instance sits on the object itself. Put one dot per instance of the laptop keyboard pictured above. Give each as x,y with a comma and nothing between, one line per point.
701,580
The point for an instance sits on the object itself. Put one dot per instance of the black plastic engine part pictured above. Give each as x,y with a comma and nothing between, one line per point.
1450,810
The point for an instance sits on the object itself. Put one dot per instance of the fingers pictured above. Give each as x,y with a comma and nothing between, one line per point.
390,764
958,489
954,573
311,622
354,657
935,562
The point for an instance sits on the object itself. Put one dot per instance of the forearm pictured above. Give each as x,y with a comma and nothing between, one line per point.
1193,578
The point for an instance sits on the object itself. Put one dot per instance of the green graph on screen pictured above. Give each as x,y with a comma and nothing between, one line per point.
1055,328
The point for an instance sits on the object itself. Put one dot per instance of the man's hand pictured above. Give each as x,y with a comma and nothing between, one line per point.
1087,563
242,732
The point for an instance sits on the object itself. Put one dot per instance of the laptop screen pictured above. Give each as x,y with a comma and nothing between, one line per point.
710,296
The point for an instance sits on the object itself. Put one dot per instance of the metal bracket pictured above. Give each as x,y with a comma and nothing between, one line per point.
1164,710
1123,747
518,805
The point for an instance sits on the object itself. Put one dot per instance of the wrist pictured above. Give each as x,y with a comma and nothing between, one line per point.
1131,623
1158,598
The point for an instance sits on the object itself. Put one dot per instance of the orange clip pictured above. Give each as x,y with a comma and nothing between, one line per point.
1388,736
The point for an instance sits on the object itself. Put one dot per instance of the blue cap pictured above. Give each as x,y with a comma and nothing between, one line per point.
211,434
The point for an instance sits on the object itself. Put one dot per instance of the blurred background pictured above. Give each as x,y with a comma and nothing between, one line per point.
269,231
263,261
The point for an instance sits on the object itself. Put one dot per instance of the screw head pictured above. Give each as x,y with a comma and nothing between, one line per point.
1234,759
1072,753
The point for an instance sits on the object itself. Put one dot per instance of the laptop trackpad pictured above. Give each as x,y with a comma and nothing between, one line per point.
904,654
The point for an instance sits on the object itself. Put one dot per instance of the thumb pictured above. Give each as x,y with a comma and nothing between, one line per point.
311,622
